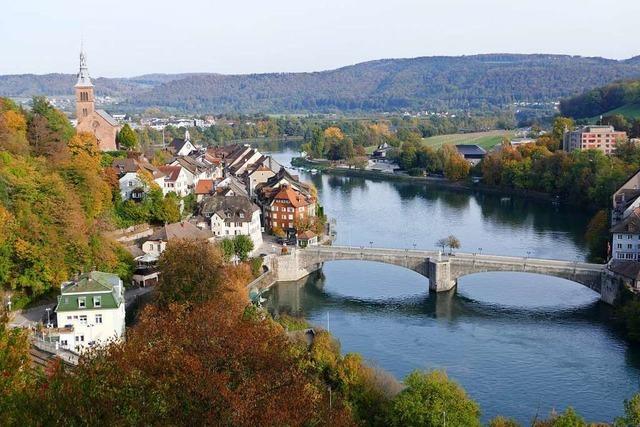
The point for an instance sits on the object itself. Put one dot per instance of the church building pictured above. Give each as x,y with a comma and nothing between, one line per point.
98,122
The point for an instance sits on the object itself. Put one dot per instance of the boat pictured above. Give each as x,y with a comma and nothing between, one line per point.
313,171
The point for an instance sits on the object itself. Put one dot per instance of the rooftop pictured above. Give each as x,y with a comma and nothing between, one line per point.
630,225
179,230
470,150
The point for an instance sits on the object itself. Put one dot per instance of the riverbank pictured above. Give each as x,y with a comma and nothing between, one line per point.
436,182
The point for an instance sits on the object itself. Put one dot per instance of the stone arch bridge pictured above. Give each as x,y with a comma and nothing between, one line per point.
443,271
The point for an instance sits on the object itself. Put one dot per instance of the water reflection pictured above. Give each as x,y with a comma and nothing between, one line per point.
518,296
519,343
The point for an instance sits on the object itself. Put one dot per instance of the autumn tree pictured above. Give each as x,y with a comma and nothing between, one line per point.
16,375
455,166
190,272
203,363
597,235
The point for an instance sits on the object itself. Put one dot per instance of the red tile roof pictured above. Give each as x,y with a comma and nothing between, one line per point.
204,186
172,172
295,198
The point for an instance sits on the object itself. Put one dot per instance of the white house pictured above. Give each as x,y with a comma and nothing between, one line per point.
133,187
91,311
195,169
626,238
232,216
129,180
176,180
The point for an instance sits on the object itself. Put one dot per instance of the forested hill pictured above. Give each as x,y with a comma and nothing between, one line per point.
434,83
616,98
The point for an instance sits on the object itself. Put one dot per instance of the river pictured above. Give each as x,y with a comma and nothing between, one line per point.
520,344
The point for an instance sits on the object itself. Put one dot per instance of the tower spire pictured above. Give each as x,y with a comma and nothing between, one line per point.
83,75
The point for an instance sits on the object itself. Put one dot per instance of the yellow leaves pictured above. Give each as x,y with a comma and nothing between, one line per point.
333,133
15,121
381,129
84,142
147,179
7,225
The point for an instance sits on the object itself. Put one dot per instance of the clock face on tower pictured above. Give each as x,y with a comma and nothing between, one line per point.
95,124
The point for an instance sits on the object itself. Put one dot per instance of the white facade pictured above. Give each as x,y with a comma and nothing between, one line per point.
180,186
259,176
90,318
154,247
626,246
186,149
130,181
252,228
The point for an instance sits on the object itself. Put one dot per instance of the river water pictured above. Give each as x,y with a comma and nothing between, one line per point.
520,344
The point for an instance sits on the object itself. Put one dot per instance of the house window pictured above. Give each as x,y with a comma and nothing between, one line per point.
619,236
275,223
82,302
98,318
619,245
97,301
290,216
629,236
275,216
629,246
83,320
79,338
64,343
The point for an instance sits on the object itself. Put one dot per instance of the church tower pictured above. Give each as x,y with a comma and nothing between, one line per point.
85,105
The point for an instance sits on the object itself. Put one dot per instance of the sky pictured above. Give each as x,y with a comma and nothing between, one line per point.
133,37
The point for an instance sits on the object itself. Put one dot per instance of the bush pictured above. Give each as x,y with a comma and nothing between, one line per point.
256,266
415,172
428,398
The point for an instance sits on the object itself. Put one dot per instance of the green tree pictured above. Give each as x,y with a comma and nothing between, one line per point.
228,249
433,400
631,416
501,421
560,126
569,418
127,139
242,246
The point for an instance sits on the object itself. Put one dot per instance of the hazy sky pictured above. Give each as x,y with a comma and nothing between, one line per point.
126,38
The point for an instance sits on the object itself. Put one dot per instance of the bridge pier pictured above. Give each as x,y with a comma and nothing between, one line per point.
440,275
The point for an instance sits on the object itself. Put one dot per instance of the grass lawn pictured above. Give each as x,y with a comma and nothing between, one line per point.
629,111
485,140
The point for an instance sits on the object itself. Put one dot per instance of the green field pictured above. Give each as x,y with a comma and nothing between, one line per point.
630,111
485,140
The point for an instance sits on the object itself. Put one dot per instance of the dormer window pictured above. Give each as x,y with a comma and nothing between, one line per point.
82,302
97,301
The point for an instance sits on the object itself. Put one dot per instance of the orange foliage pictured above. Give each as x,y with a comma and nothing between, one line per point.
333,133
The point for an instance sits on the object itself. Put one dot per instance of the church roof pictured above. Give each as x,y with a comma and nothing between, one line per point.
107,117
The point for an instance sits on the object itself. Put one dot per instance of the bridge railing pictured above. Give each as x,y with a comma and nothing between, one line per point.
542,262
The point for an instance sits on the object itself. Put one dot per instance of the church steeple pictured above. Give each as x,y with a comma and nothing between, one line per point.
85,105
83,75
